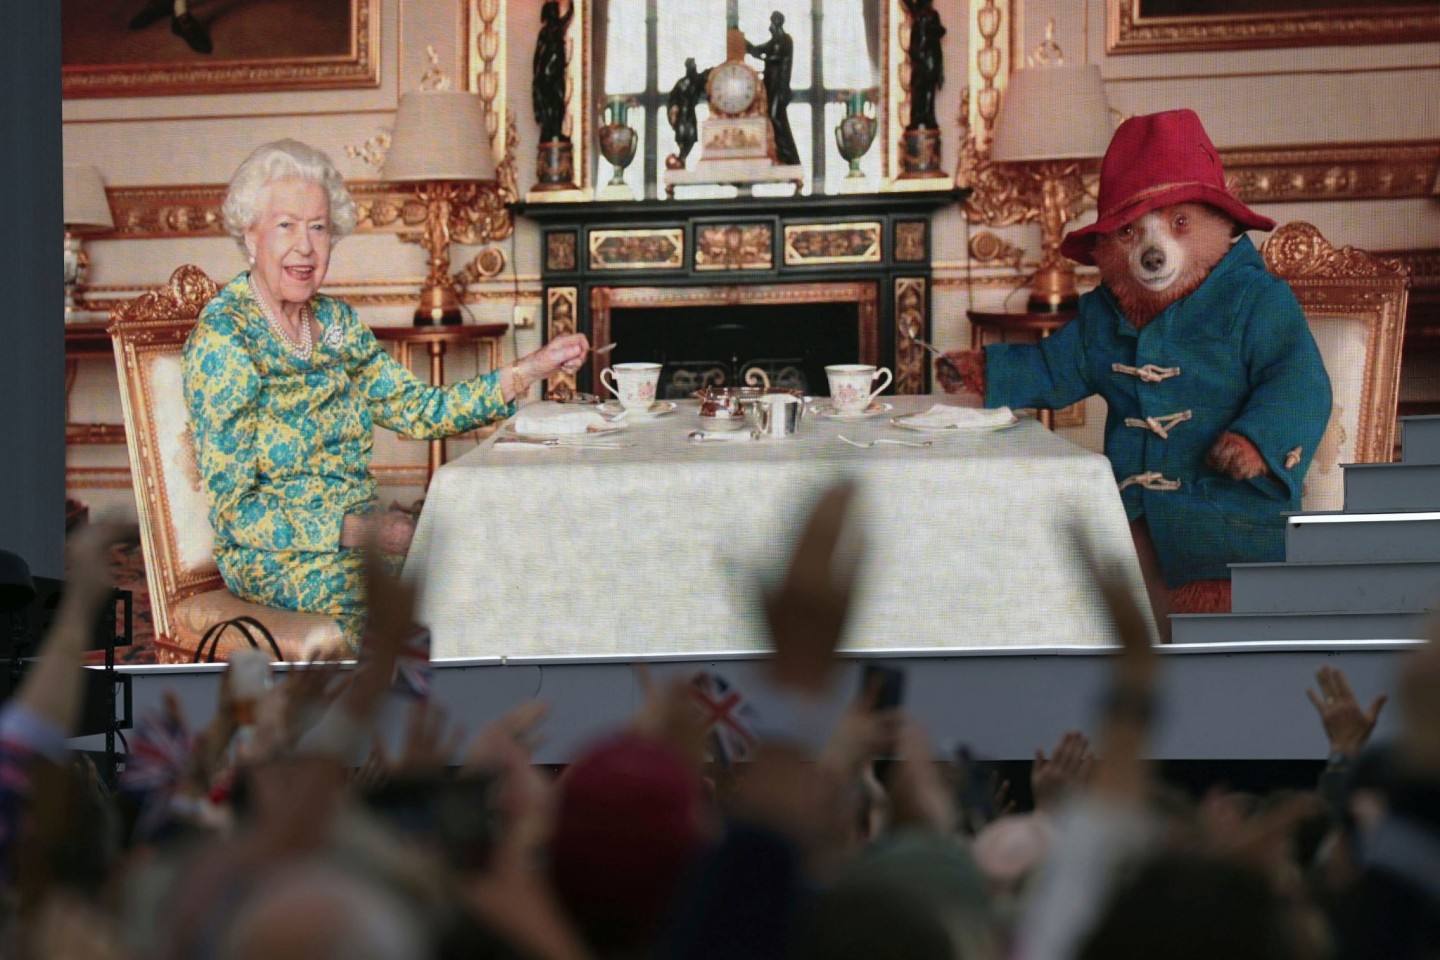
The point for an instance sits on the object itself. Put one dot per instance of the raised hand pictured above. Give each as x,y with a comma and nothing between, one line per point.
565,353
430,740
506,747
1068,767
1126,723
807,613
668,713
1236,457
308,690
51,688
862,735
917,791
1346,724
87,553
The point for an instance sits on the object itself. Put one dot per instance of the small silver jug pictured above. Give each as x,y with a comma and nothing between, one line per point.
777,415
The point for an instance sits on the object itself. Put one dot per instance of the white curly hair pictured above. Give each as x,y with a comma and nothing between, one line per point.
283,160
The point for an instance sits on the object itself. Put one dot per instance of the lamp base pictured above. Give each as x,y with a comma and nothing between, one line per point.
1049,304
438,306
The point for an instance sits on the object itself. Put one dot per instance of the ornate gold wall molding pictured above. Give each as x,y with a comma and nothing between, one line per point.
989,67
193,210
373,294
1128,31
1381,171
1284,174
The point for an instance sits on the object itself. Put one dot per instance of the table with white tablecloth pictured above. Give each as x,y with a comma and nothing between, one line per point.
657,546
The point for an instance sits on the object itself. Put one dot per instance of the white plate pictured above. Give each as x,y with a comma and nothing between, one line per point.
659,408
615,427
876,409
905,424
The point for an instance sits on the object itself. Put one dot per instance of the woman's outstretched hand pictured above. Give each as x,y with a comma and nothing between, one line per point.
563,354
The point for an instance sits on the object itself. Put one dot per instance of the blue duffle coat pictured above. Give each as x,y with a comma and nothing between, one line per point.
1234,355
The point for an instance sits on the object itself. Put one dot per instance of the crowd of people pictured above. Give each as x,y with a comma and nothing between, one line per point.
261,834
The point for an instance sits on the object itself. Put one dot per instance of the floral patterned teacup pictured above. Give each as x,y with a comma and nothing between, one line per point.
852,386
633,384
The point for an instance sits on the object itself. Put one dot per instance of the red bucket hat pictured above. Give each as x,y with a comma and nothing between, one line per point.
1154,161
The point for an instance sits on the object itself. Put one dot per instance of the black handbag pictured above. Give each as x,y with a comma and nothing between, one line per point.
250,628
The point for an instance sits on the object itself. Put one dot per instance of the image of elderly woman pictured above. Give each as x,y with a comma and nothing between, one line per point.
283,385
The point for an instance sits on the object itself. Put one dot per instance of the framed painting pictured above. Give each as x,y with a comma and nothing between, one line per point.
142,48
1164,26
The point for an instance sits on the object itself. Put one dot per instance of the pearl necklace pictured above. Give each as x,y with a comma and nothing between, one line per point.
305,346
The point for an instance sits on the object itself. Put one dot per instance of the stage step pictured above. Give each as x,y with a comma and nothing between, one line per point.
1362,537
1420,439
1300,627
1318,587
1392,486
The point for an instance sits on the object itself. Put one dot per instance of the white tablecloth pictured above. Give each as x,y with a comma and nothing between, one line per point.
656,548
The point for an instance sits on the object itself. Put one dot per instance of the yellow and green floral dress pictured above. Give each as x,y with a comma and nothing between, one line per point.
284,444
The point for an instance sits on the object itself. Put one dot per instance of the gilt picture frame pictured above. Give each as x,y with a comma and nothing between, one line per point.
123,49
1171,26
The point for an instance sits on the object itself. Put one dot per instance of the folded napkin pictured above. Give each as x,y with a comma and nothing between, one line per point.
550,419
946,417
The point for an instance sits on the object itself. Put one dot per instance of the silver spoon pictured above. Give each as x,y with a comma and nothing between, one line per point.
910,335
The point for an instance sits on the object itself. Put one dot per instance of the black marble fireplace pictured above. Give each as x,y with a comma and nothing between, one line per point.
713,288
716,346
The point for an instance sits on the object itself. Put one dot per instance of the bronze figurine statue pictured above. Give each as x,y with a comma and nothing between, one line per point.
680,110
927,62
548,90
779,55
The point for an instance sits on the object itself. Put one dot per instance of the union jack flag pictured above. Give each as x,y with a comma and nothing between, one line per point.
158,757
157,761
413,672
728,717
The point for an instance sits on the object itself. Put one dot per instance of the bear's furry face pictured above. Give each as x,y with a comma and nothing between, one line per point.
1162,257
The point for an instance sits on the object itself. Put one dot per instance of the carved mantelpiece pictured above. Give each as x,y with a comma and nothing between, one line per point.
868,254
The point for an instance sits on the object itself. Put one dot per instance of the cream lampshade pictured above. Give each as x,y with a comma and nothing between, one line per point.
87,210
1053,113
1054,118
439,135
439,142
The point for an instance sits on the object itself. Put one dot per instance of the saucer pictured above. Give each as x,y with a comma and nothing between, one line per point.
826,412
612,408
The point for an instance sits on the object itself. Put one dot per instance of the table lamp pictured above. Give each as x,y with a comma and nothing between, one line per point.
1054,120
439,142
87,210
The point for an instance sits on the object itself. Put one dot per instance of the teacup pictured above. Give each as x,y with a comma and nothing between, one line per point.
852,386
634,384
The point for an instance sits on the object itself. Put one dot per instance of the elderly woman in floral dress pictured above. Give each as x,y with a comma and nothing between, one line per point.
283,385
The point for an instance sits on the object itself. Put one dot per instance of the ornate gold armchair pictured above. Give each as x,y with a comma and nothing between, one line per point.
187,596
1355,303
